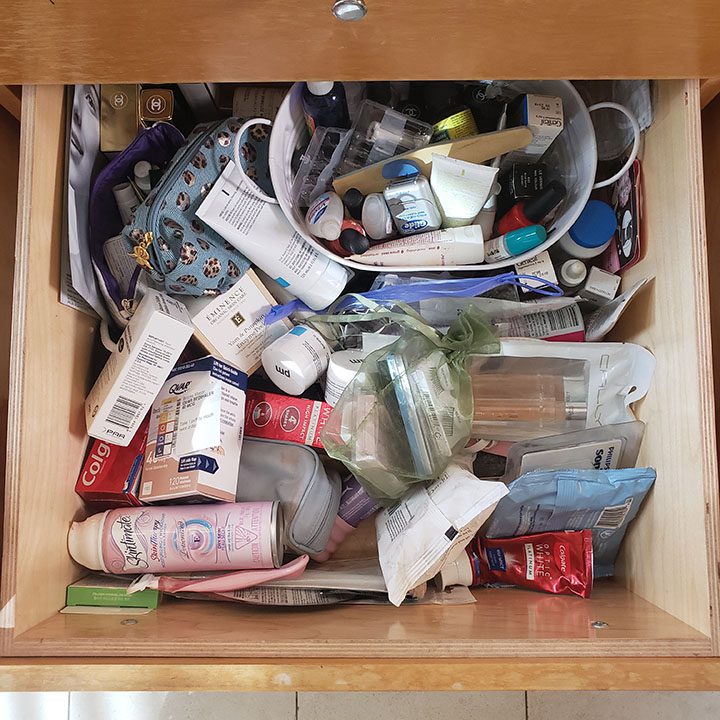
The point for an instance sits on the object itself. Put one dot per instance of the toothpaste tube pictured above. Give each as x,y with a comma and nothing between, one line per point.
553,562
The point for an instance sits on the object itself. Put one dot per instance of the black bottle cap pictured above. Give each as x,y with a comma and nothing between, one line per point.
353,241
538,207
353,201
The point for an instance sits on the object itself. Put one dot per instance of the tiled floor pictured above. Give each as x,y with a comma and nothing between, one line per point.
360,706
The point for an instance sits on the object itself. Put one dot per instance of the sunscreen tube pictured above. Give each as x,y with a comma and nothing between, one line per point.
461,188
262,233
455,246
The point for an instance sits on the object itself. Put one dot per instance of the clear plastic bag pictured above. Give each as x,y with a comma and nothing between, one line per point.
409,409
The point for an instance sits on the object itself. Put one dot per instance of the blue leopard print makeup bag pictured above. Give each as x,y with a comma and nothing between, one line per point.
176,248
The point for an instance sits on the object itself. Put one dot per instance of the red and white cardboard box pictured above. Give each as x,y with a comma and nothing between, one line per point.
279,417
110,476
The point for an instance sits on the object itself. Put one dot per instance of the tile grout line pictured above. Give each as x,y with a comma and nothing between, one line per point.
297,705
69,703
527,712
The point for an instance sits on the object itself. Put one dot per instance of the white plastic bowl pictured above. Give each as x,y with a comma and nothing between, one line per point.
572,158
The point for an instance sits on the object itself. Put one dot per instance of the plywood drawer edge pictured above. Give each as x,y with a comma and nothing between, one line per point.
363,675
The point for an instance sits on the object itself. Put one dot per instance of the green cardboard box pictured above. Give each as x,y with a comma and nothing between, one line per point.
109,591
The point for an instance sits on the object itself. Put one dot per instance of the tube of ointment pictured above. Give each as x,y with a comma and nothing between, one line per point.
355,506
454,246
516,242
461,188
127,201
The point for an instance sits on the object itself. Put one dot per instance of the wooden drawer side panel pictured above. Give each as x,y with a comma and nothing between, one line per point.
51,350
671,550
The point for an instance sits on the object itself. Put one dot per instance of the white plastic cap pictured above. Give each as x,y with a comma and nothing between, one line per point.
85,542
328,288
376,217
573,272
330,228
458,572
342,368
142,169
320,88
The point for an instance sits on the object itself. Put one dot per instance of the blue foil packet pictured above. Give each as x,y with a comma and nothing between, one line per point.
604,501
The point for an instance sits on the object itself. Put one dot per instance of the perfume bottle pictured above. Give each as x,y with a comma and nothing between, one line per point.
516,403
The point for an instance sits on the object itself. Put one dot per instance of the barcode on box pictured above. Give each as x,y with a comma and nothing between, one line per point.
146,489
124,412
529,561
613,516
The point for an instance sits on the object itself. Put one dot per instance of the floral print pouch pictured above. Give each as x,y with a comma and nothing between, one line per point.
176,248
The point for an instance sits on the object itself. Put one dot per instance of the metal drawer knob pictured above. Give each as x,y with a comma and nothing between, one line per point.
349,10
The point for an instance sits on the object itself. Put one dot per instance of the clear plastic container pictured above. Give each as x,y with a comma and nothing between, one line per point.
379,133
318,165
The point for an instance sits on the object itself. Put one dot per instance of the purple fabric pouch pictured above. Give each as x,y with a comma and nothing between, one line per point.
157,145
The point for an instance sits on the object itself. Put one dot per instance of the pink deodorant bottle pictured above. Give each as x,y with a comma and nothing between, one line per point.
355,506
183,538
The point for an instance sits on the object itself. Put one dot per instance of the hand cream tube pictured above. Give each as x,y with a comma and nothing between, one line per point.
461,188
261,232
455,246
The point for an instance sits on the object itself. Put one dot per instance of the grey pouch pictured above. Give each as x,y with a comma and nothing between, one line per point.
308,492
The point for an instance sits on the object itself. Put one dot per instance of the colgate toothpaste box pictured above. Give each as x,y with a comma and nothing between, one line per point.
110,476
279,417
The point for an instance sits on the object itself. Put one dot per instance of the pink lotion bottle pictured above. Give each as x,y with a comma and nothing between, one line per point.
184,538
355,506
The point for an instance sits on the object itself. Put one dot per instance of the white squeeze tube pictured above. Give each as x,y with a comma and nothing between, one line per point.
262,233
462,188
454,246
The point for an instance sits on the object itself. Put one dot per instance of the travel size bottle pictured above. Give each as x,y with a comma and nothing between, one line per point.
325,105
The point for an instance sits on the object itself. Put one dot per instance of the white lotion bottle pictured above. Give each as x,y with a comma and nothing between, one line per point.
261,232
296,360
325,216
454,246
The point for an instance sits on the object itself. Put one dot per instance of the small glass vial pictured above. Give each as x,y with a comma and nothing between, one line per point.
412,202
296,360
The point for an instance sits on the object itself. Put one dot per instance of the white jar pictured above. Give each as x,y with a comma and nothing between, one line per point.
591,233
296,360
342,368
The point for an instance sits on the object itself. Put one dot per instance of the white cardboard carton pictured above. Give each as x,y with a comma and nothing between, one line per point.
232,325
133,375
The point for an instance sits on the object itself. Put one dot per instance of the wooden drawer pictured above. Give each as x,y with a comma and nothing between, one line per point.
654,625
73,41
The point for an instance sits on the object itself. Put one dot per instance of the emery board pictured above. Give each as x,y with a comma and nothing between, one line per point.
475,149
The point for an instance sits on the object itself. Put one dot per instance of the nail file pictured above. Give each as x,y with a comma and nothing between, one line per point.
476,149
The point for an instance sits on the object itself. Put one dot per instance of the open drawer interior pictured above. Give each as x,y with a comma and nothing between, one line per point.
661,601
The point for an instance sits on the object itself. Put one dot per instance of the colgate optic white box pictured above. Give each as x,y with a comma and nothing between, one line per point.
110,476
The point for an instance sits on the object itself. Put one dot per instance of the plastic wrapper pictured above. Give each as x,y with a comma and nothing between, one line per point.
432,525
534,388
604,501
409,408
